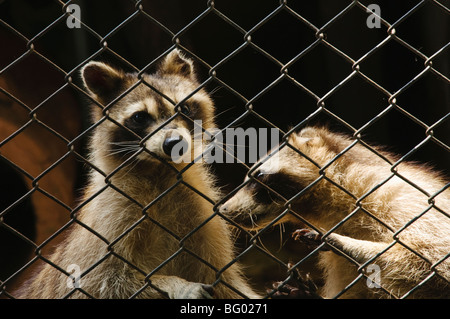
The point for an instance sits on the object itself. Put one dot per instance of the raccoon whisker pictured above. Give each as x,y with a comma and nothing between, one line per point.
254,224
235,125
106,152
201,133
136,161
277,198
125,153
216,89
124,143
282,229
235,232
130,166
127,146
251,218
262,244
125,150
200,136
122,155
226,110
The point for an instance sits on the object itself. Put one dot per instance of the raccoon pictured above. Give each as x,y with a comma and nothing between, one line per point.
141,229
378,235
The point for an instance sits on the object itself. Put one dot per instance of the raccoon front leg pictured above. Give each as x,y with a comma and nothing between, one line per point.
388,260
359,250
177,288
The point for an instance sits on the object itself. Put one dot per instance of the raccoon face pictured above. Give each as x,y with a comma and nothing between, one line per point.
145,118
277,186
261,200
265,193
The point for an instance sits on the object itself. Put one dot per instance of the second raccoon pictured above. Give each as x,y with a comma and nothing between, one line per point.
380,217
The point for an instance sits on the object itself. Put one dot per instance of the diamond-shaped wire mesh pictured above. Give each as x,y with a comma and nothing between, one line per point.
267,64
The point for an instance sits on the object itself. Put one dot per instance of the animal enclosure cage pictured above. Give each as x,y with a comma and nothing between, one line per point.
376,70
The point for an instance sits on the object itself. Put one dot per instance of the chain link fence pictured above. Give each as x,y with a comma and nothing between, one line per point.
378,71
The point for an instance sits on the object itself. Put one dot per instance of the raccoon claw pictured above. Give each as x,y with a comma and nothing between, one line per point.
296,287
285,291
309,237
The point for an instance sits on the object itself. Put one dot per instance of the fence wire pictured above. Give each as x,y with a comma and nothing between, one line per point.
247,54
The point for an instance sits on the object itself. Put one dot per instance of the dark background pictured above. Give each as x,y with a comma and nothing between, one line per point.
249,72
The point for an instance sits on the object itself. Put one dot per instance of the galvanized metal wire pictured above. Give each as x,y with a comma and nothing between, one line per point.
323,107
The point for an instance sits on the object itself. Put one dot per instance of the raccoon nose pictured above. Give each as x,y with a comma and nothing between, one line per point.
223,208
170,142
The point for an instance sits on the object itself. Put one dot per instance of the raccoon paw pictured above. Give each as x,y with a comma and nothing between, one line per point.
285,291
309,237
297,287
194,290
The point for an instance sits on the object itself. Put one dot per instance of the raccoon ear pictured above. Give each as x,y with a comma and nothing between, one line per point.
102,81
176,63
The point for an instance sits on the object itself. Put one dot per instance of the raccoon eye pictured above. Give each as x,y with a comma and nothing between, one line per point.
185,109
260,175
141,117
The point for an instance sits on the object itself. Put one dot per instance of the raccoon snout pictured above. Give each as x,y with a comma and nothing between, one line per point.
223,208
229,211
170,142
175,141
